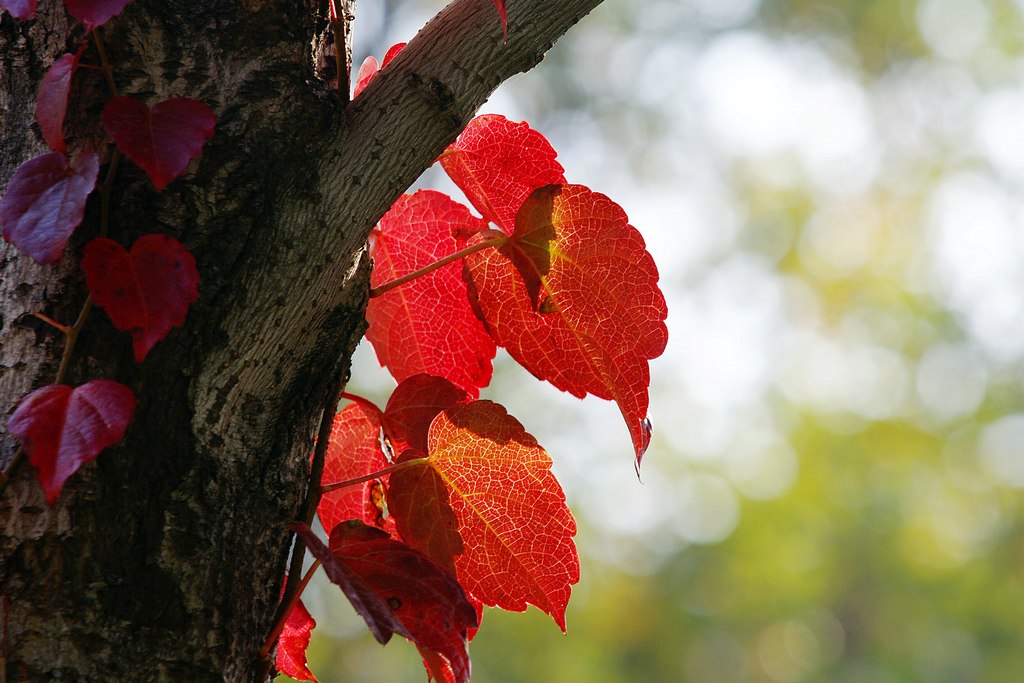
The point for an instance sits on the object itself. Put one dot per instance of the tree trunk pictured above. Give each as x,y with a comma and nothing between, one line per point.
164,559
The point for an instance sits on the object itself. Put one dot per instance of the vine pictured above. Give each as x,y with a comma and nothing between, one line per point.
438,503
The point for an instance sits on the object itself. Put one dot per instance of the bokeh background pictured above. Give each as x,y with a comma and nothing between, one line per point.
834,194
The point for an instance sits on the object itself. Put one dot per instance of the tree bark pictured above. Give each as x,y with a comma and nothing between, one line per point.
163,560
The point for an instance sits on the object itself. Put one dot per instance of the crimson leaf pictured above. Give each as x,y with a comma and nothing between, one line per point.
62,428
20,9
52,99
397,589
292,644
163,139
413,405
45,202
417,231
147,291
95,13
353,451
369,68
497,163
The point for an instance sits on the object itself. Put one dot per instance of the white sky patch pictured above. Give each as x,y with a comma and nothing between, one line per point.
954,28
725,333
977,237
766,98
999,131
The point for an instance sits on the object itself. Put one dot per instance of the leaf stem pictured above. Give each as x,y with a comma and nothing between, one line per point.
495,241
279,625
51,322
108,70
373,475
70,337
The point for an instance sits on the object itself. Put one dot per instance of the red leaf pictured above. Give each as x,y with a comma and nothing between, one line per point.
591,315
162,140
397,590
369,68
438,668
516,528
497,163
426,325
353,451
146,292
95,13
418,501
63,428
20,9
413,406
292,644
52,99
45,202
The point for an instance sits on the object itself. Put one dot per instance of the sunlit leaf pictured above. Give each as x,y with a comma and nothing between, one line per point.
426,325
497,163
354,450
574,298
516,528
293,642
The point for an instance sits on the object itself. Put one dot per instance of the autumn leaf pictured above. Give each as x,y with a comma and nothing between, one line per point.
161,140
63,428
353,451
95,13
20,9
147,291
426,325
418,501
497,163
369,68
52,99
45,202
413,405
574,298
397,589
516,528
293,642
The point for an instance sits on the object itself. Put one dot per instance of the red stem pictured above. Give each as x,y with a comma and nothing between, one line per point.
373,475
495,241
279,624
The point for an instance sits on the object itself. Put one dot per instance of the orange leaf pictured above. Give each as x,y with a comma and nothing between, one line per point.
574,299
511,511
426,325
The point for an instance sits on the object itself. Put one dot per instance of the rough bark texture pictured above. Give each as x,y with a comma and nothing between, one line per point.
164,559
